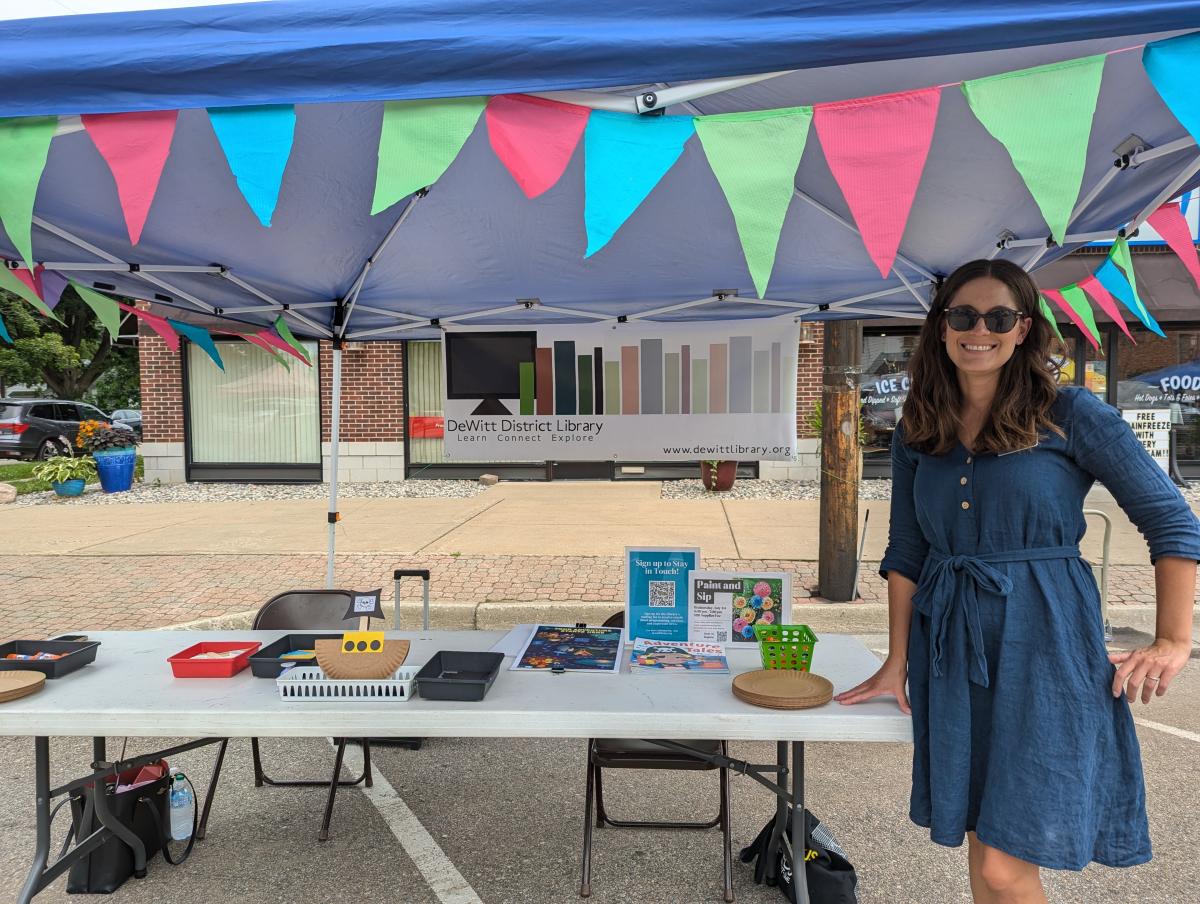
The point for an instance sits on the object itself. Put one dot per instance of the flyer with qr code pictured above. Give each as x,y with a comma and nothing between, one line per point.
726,605
656,592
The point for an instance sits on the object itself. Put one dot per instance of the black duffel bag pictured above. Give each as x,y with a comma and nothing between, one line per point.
831,878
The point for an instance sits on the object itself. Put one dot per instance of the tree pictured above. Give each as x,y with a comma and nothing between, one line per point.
68,357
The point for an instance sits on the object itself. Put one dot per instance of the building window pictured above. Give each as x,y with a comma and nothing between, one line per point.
1157,373
884,387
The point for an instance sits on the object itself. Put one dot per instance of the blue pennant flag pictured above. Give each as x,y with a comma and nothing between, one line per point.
4,332
625,156
257,142
201,337
1171,66
1118,286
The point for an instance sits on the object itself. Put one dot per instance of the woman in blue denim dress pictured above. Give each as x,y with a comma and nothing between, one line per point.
1022,733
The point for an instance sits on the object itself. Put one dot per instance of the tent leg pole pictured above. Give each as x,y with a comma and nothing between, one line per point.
334,441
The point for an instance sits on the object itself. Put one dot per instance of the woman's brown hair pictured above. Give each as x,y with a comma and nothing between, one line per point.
1028,381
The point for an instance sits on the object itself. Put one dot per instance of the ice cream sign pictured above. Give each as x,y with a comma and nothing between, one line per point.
888,385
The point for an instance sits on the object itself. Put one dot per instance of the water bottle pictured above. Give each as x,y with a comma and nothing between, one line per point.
183,808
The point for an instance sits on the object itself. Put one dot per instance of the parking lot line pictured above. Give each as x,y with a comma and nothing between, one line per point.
442,876
1169,729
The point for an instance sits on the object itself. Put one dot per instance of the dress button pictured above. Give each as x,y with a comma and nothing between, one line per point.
968,459
963,481
966,505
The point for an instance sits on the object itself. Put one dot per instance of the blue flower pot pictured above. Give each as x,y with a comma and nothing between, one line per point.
69,487
115,467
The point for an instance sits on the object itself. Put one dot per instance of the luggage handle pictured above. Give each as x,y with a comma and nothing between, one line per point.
423,574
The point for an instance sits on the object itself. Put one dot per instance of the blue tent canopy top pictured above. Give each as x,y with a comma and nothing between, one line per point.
475,243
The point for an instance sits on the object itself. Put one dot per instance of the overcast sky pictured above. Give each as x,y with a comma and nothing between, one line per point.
31,9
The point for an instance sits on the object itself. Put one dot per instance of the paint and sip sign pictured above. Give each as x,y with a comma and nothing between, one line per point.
625,392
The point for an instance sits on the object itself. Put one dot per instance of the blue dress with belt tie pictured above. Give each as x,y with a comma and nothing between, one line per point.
1017,735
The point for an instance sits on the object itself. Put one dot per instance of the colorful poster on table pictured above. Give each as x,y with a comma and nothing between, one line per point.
725,605
656,592
570,649
636,391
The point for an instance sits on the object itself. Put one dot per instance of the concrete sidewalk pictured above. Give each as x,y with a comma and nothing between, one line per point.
515,553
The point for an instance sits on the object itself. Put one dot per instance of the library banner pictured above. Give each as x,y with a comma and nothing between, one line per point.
637,391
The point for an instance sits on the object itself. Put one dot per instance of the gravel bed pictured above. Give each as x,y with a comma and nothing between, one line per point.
768,489
255,492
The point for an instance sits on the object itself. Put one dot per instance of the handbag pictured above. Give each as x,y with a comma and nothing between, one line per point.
144,808
831,877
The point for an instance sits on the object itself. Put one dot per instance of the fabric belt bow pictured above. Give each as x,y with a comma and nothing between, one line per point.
951,582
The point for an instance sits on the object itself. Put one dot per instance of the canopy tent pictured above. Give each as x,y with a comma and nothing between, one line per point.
474,247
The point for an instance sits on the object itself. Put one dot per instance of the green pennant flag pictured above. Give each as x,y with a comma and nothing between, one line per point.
105,308
419,139
1075,297
1043,116
1119,255
1048,313
24,144
285,334
754,156
9,281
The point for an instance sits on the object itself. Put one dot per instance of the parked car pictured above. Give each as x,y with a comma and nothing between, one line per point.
36,428
131,418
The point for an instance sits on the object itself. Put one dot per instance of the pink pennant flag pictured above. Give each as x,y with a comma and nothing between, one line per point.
534,138
156,323
271,338
135,147
1056,296
1168,222
1107,303
33,280
876,149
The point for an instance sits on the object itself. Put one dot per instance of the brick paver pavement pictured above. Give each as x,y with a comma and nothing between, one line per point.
44,595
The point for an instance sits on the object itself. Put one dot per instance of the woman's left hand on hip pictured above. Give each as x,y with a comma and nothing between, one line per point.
1149,669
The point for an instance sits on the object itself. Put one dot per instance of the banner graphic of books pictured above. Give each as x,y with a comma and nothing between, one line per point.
721,378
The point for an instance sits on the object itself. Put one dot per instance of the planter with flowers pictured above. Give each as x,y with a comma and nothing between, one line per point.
115,452
66,474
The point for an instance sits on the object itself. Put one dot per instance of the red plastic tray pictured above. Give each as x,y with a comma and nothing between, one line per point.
184,666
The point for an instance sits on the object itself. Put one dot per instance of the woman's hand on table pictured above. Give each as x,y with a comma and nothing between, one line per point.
891,678
1149,670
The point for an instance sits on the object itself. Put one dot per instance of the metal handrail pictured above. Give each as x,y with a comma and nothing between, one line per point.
1104,569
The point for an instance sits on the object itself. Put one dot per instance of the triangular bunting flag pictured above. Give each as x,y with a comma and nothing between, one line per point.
199,336
1043,117
24,144
625,156
1048,313
1168,222
876,149
33,280
534,138
1074,297
285,334
1107,303
257,340
156,323
53,284
272,339
135,147
1112,279
1171,66
106,309
1056,296
4,332
419,139
257,142
754,156
9,281
1119,255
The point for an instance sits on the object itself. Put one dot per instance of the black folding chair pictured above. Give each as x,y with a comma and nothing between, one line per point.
300,610
630,753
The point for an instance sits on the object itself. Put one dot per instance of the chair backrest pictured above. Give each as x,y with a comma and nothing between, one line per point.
615,621
307,609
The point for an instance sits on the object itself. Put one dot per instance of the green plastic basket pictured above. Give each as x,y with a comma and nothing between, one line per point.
786,646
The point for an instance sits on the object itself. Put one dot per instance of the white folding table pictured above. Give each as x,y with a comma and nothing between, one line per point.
129,691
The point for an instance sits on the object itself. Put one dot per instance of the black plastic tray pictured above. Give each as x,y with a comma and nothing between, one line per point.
78,654
458,675
266,663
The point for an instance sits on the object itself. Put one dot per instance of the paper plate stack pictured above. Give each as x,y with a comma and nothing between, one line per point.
783,689
14,685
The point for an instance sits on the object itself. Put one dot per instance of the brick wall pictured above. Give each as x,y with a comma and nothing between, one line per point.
808,379
372,392
162,389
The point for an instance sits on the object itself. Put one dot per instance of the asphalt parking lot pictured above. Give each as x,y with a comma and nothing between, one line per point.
500,821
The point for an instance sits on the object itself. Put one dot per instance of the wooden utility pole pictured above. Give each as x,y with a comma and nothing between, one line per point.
839,460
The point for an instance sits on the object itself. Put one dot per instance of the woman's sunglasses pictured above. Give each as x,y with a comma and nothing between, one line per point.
962,319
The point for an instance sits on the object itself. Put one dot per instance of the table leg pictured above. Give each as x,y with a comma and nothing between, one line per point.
41,779
799,848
